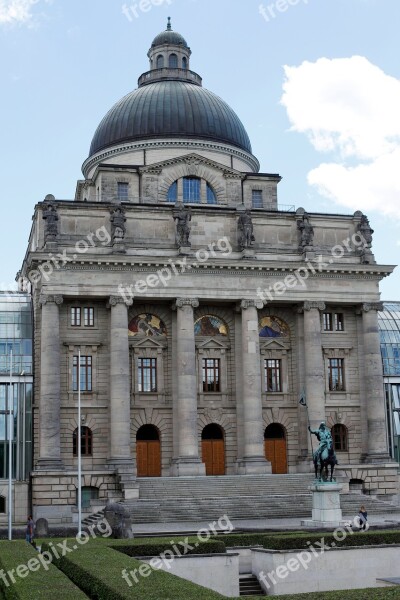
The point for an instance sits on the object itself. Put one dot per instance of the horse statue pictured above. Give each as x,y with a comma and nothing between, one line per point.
324,456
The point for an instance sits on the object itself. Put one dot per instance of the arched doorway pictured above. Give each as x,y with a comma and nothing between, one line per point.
275,447
148,452
213,449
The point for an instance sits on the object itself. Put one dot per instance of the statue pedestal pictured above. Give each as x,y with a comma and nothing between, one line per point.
326,510
248,253
185,250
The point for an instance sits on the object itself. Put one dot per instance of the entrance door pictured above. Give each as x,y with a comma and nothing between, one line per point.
275,448
213,450
148,452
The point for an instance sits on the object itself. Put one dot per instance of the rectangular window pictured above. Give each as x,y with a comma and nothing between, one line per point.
123,192
336,375
211,375
88,317
273,375
339,322
257,198
147,374
75,316
328,321
86,374
191,189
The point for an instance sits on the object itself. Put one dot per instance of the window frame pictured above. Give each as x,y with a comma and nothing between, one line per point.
87,447
215,370
343,435
340,368
74,312
188,199
273,372
257,201
147,374
123,186
87,366
88,322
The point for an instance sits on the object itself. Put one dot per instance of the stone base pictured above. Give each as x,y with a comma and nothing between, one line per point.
326,510
187,467
254,466
323,524
248,253
118,249
185,250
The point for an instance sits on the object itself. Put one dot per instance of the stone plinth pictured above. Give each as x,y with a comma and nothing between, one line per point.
326,510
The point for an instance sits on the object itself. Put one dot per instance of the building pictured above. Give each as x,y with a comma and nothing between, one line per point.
202,309
16,336
389,325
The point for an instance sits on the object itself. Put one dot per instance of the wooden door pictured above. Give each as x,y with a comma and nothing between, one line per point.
148,458
275,452
213,453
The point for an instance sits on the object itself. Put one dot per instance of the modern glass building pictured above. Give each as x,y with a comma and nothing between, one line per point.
389,325
16,390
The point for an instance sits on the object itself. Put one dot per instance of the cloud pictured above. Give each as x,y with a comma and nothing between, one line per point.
349,107
13,12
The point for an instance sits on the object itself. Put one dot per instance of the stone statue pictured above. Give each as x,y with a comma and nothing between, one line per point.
118,220
182,216
246,230
365,231
50,216
306,232
324,454
119,521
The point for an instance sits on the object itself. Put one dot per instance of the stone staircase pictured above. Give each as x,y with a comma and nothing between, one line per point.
195,499
250,586
93,519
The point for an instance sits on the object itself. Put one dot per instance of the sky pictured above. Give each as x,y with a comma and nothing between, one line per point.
315,82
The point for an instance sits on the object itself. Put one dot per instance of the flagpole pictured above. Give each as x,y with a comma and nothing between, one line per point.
79,442
10,436
303,402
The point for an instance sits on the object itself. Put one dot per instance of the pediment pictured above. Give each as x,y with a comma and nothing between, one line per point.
274,344
191,160
211,342
147,342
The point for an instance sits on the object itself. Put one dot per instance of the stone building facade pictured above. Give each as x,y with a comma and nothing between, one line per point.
202,309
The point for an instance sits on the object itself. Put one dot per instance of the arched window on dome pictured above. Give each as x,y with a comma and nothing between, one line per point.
192,189
172,195
160,62
173,61
211,197
184,63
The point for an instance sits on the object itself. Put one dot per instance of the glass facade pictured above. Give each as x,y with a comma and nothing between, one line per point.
16,335
389,327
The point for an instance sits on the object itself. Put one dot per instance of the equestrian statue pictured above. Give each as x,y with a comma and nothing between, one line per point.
324,456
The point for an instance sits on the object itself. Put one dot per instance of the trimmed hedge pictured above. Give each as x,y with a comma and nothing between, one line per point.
97,570
389,593
37,584
211,547
299,542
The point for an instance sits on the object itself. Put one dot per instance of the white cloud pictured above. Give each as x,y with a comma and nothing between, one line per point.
14,12
349,107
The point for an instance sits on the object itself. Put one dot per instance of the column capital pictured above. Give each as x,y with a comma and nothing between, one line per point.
307,306
50,299
114,300
181,302
254,303
368,306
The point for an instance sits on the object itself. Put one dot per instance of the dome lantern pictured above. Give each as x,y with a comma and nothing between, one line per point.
169,50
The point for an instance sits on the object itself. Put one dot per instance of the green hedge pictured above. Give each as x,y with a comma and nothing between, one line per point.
97,570
296,541
37,584
211,547
366,594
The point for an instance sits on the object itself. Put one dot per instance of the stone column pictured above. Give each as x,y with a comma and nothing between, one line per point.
314,365
50,387
120,401
253,461
373,379
188,461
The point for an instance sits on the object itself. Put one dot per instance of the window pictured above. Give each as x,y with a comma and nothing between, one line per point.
2,505
123,192
211,375
191,189
88,317
211,197
147,374
173,192
340,438
88,494
184,63
336,374
75,316
333,321
86,442
257,199
173,61
86,374
273,375
160,62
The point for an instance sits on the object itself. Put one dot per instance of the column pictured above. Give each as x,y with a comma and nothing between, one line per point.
314,364
188,461
373,380
120,401
253,461
50,386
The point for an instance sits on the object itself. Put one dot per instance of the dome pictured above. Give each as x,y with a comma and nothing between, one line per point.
170,109
169,37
